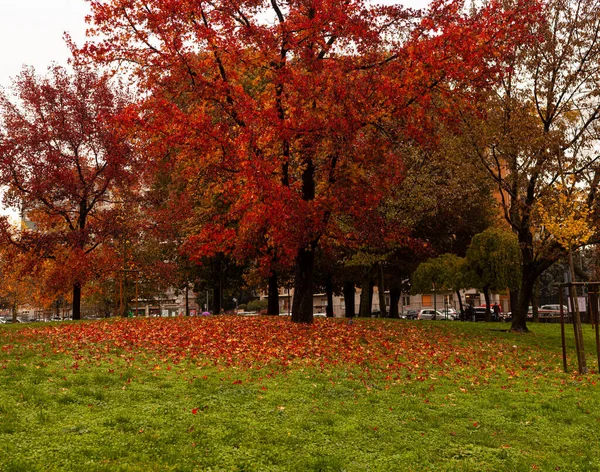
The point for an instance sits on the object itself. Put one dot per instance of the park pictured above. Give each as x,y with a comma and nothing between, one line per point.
260,393
355,165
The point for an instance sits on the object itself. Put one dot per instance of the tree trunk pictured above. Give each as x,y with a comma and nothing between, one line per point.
519,313
395,294
366,297
273,300
531,271
513,296
329,292
349,300
460,305
486,296
14,309
76,301
302,307
381,292
535,301
581,361
216,298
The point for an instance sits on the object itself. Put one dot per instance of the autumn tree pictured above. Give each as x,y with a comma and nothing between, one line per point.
294,110
447,272
63,159
493,263
565,216
539,125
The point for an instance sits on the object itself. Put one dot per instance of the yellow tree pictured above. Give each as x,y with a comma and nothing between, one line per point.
564,215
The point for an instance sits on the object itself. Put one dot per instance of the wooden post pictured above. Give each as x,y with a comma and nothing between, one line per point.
581,361
562,330
136,296
593,304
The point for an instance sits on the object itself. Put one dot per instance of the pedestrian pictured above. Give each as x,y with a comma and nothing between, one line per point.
470,313
496,309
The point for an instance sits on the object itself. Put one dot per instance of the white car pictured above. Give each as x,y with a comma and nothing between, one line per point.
555,308
451,312
431,314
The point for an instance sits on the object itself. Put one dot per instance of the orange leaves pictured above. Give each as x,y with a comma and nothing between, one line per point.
394,351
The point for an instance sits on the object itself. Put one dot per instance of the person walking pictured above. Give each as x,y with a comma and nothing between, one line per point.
496,310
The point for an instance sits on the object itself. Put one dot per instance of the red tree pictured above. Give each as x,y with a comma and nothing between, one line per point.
289,116
63,160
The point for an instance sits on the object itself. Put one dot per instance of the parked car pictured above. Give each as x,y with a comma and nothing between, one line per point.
555,308
451,312
431,314
479,313
411,314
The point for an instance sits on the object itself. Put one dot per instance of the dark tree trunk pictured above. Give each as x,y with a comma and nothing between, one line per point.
531,271
486,296
519,315
381,292
514,299
460,305
302,307
329,292
395,294
349,300
187,301
273,300
14,310
216,298
366,297
77,301
535,301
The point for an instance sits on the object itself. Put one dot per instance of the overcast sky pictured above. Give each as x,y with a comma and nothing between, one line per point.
31,32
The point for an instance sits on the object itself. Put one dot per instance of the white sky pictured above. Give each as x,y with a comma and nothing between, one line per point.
31,33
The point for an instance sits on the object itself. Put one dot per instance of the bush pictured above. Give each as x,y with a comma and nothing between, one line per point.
257,305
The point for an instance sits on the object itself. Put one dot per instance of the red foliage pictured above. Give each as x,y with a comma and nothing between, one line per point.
290,124
65,161
396,351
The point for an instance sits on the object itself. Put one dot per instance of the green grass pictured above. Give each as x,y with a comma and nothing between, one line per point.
112,413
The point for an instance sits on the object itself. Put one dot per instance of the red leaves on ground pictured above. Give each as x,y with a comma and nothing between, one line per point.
400,351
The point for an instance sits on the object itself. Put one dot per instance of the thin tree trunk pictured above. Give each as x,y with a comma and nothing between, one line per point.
486,296
329,292
76,301
273,294
513,296
14,309
216,298
381,292
187,301
581,361
460,305
535,301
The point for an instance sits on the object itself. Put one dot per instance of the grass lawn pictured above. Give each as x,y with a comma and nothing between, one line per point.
261,394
